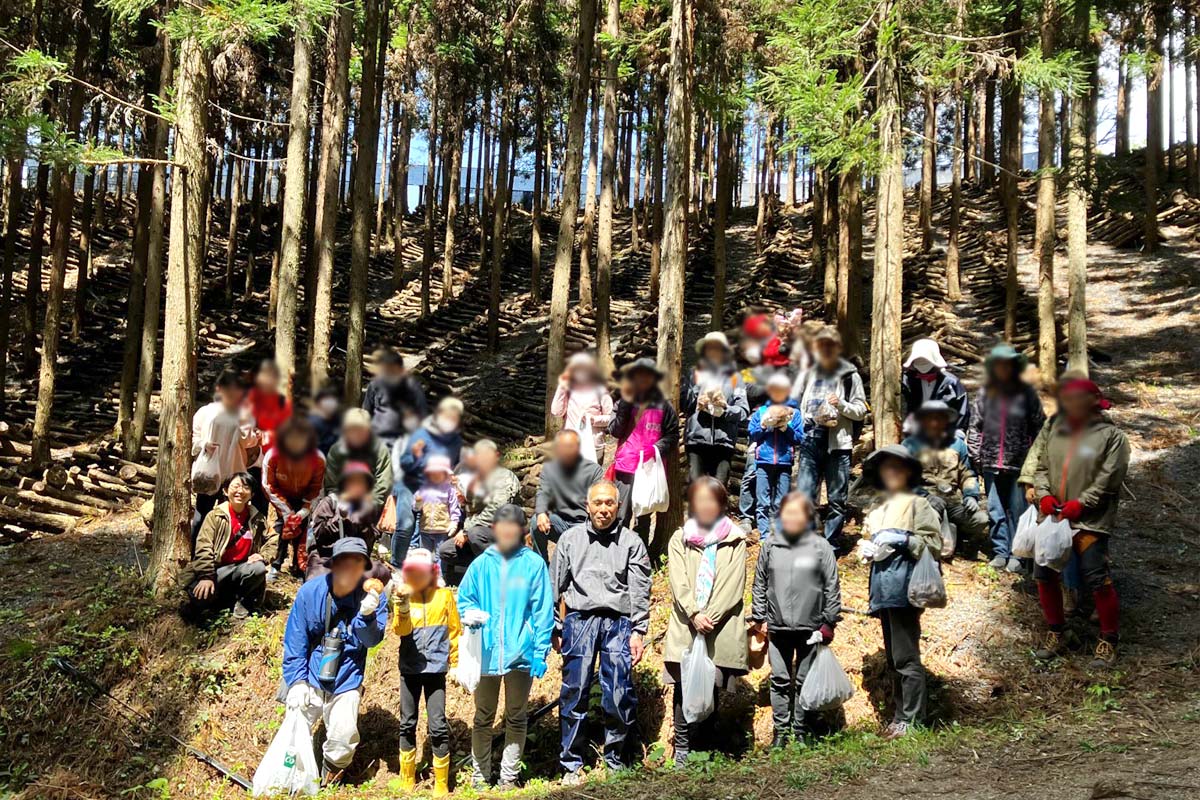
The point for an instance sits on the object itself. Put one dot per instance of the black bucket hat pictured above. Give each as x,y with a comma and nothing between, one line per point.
872,463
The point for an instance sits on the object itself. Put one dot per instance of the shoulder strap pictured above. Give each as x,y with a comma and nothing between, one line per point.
328,612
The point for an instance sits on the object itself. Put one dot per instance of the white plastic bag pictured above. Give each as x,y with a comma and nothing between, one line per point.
289,765
949,538
587,440
826,686
470,657
925,586
1024,539
698,674
206,473
1052,546
649,492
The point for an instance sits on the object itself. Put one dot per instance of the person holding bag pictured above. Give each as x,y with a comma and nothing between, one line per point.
506,591
582,401
895,535
776,430
1078,479
706,564
714,403
796,598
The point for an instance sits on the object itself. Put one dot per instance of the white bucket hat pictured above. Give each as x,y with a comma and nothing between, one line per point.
925,350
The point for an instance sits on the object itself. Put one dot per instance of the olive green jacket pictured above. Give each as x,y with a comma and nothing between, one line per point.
726,605
1088,466
213,538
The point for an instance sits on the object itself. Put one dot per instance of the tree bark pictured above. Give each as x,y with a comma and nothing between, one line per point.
452,181
87,218
366,140
11,231
889,243
235,202
540,165
987,170
335,105
171,539
928,170
604,243
569,207
1124,89
589,204
427,248
1010,147
1044,234
849,272
291,235
1153,26
500,202
725,180
1189,105
657,145
33,274
1077,206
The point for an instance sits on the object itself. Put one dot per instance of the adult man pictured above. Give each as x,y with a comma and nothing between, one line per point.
359,443
832,402
233,547
394,399
491,487
333,622
601,577
561,501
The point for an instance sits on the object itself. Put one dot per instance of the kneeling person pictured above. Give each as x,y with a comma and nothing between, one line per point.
229,568
333,622
349,512
506,592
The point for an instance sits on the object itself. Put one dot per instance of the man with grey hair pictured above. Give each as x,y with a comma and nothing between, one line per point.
491,487
561,501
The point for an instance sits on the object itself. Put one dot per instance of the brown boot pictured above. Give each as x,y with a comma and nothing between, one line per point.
1105,656
1054,644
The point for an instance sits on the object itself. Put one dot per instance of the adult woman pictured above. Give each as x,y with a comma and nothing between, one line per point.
706,564
645,426
715,406
1006,417
581,399
1078,479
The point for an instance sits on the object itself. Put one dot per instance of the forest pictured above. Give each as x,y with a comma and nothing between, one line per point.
490,187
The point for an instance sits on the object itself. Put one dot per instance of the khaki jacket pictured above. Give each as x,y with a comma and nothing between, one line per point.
213,538
726,606
1088,466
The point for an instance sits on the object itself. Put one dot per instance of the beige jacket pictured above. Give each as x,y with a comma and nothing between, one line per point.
726,605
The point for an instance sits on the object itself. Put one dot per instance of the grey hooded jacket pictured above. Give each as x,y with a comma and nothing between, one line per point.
796,586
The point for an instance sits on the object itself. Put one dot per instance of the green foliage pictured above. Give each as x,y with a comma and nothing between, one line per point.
1064,72
223,22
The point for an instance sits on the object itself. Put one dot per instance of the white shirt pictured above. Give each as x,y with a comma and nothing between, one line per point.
214,424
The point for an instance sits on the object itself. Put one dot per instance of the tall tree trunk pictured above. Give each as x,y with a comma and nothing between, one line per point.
571,169
500,202
366,140
430,188
291,235
1169,92
1153,26
235,202
674,246
452,183
764,196
889,241
658,143
60,227
589,204
928,170
335,105
171,540
87,219
12,229
1077,205
1124,89
400,154
133,435
540,165
987,170
604,243
725,179
1189,104
637,178
388,126
819,215
1010,147
849,261
968,97
1044,235
33,274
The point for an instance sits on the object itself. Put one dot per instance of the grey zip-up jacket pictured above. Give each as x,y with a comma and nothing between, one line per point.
605,572
796,585
563,490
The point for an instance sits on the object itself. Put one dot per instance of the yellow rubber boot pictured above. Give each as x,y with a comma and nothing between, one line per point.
408,770
441,775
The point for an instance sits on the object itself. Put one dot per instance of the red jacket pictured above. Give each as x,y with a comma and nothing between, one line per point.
269,413
292,484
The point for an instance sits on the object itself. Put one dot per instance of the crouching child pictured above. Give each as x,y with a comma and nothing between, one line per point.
506,593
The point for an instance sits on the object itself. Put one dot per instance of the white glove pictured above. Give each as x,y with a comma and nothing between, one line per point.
302,696
892,538
867,550
452,675
815,638
475,618
369,604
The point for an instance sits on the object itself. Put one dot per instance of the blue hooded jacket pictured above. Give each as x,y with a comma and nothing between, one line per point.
775,445
516,594
306,627
436,443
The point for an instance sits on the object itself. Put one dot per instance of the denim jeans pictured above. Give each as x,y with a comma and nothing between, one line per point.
818,463
406,523
1006,503
586,639
772,482
747,500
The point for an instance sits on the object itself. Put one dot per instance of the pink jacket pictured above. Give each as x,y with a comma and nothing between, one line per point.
572,405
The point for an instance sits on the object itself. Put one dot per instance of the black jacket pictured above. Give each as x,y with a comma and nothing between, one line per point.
388,403
946,387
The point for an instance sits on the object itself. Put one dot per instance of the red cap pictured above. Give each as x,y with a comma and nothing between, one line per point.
757,326
1088,387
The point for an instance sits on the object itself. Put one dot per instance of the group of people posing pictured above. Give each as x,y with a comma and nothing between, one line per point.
395,523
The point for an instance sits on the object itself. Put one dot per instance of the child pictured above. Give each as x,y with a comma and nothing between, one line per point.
507,592
269,406
895,535
426,619
350,512
436,504
326,417
292,474
776,428
582,398
796,594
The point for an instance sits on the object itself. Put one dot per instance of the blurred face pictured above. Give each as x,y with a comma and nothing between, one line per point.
705,508
355,489
566,447
231,396
828,352
328,405
267,380
392,373
583,375
893,473
238,492
602,506
778,394
794,518
643,382
348,572
295,443
934,426
509,536
714,353
356,436
486,460
447,421
437,476
419,578
1077,405
1004,371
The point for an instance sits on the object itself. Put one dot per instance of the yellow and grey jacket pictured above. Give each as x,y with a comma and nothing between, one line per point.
429,628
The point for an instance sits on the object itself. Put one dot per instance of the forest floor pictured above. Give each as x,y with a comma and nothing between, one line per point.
1005,726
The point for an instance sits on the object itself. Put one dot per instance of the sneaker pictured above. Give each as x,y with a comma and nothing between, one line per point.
897,730
1015,566
1055,644
1105,656
780,740
998,562
272,574
240,612
575,778
506,786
